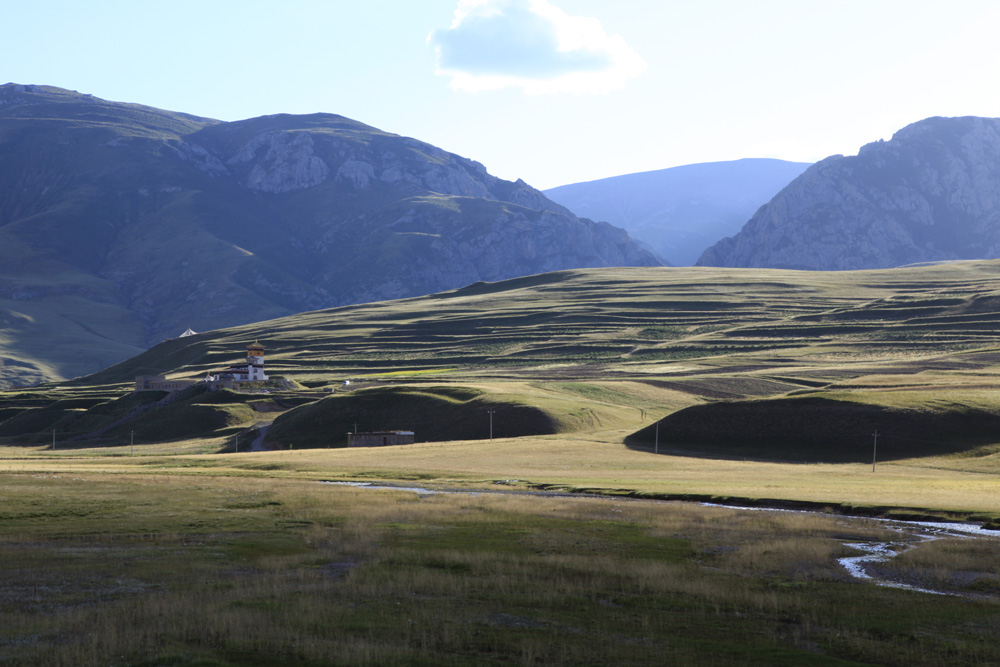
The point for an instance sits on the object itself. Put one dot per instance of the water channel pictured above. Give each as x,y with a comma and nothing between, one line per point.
872,553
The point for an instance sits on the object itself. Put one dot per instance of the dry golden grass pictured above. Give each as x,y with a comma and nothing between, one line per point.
598,462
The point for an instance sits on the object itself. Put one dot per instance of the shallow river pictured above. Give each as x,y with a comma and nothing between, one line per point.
857,566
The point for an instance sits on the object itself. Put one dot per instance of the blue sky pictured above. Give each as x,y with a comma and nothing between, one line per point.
551,91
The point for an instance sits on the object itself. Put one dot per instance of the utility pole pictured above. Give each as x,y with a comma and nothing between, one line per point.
656,442
491,423
53,439
131,444
237,443
874,448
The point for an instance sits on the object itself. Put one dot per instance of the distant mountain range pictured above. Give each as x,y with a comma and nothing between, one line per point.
931,193
681,211
122,225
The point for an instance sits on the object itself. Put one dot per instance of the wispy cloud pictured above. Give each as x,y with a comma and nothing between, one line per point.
533,45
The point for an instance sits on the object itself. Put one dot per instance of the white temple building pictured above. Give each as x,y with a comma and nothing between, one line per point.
251,371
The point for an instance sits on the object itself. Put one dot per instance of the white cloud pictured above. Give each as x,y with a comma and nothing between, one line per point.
533,45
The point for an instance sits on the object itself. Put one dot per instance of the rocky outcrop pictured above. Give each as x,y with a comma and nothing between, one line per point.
931,193
282,162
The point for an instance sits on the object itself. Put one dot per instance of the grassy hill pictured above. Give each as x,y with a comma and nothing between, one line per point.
769,330
764,364
835,427
434,413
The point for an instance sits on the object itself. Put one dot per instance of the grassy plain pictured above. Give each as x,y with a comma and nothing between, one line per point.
948,486
150,568
226,558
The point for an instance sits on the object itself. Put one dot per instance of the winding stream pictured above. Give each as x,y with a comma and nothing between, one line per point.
923,531
873,553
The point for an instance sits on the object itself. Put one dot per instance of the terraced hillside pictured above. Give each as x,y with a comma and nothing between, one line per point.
799,328
618,349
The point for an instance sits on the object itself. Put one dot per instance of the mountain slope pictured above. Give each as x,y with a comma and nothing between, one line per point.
122,225
681,211
931,193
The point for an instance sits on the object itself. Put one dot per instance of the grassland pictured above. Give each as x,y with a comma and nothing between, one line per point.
787,373
151,568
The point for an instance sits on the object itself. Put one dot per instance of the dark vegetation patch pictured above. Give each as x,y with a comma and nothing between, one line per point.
182,420
818,429
196,412
434,413
70,417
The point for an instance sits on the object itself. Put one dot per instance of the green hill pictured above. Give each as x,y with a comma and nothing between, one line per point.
685,326
763,364
433,413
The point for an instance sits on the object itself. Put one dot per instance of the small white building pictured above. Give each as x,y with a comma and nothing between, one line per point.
228,378
251,371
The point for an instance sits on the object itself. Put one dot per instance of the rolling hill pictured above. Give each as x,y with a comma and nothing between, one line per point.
771,356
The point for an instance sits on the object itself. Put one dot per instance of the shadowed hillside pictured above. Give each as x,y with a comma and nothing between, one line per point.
820,429
434,413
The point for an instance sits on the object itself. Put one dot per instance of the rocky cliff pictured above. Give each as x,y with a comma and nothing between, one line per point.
122,225
930,193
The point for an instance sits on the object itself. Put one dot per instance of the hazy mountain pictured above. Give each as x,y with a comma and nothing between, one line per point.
121,225
681,211
930,193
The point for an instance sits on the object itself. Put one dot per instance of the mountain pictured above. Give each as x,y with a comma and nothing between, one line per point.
931,193
681,211
122,225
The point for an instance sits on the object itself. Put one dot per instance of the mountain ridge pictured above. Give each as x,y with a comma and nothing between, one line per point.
928,194
122,225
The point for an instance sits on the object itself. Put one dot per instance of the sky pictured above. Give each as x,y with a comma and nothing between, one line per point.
549,91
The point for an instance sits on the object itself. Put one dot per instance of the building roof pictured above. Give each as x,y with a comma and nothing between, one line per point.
255,346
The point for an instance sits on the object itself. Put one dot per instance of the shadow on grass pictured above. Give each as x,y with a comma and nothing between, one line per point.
817,430
434,414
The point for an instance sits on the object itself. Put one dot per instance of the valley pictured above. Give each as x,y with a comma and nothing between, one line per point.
499,332
647,390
